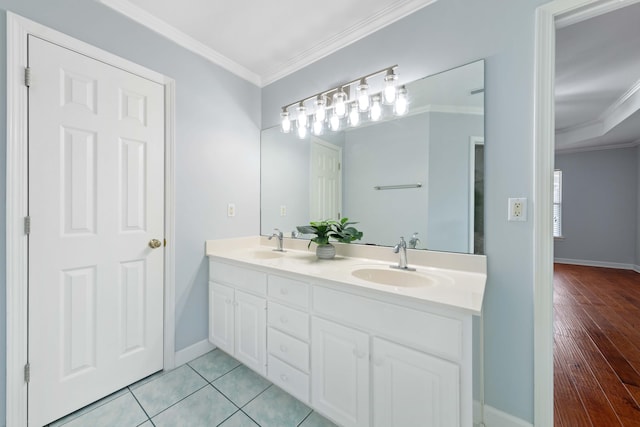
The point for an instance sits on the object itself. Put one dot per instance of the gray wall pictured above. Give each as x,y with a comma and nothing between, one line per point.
388,153
284,169
217,147
599,206
449,179
439,37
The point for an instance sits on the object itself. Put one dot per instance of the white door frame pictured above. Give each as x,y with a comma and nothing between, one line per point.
556,14
17,200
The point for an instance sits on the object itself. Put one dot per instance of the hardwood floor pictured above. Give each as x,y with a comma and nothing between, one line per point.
597,347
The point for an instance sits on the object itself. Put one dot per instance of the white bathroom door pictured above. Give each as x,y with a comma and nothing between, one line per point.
326,181
96,200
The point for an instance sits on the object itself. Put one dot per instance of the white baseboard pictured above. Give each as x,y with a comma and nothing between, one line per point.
591,263
496,418
193,351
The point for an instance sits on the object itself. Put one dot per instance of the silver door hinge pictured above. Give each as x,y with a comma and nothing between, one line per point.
27,225
27,76
27,372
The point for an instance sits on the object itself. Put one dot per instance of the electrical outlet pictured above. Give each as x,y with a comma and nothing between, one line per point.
283,210
517,209
231,209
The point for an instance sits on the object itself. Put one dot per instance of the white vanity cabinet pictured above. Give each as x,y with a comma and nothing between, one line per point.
237,318
359,357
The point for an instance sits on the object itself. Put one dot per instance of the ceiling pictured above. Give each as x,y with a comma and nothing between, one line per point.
263,41
598,81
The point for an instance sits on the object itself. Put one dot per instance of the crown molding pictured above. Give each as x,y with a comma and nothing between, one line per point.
143,17
591,11
616,113
572,150
371,24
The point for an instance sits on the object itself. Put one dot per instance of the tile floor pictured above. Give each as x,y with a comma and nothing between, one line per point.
212,390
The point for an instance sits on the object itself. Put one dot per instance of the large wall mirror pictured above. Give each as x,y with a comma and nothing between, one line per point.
420,173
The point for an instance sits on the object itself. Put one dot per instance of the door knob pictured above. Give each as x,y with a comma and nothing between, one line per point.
155,243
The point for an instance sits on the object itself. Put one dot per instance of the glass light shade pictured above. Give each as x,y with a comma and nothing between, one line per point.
376,109
354,116
389,92
340,104
302,132
334,122
286,122
321,112
318,127
302,117
402,102
362,95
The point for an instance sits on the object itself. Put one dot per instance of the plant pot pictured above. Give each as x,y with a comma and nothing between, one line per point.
327,251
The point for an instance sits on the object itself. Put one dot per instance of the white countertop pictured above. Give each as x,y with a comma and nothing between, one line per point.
458,280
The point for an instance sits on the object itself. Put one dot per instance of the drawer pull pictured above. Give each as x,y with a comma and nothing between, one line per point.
284,378
283,348
284,291
283,319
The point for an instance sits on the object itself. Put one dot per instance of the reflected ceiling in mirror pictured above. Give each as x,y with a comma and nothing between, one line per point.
420,175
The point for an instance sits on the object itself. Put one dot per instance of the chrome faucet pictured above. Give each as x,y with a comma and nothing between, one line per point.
278,234
401,248
413,242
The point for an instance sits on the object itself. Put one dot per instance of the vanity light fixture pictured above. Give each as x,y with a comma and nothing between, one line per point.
389,92
286,121
402,102
347,104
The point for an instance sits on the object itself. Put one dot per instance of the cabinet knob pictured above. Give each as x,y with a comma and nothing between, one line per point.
284,378
283,348
359,354
284,291
283,319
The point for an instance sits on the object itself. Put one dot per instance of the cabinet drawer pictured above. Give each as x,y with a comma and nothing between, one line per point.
291,350
289,290
288,320
435,334
242,278
289,379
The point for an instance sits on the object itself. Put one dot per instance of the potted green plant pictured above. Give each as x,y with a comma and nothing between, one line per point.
341,230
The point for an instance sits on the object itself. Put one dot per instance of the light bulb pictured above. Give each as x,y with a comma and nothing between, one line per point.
362,93
340,104
321,112
286,121
376,108
389,92
302,132
317,128
334,122
302,116
354,116
402,103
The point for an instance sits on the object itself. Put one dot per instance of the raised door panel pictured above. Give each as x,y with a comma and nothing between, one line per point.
251,331
340,372
221,317
411,388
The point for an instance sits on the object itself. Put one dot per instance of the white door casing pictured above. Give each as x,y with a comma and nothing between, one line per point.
18,29
326,181
96,157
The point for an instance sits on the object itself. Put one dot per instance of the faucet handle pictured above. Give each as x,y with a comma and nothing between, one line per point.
278,233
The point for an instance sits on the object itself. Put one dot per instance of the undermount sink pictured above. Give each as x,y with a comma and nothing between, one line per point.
265,254
391,277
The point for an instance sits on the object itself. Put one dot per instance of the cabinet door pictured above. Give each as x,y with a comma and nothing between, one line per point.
340,372
411,388
251,331
221,316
